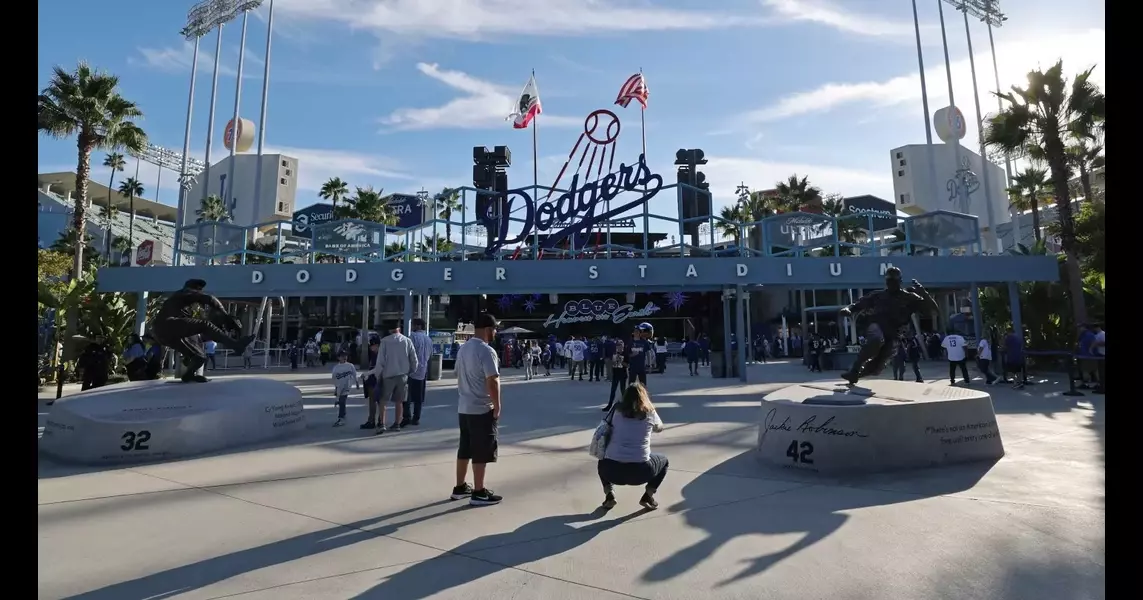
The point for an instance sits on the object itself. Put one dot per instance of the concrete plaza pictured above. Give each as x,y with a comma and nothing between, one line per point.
337,513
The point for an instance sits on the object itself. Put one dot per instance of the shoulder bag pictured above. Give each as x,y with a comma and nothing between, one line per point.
602,436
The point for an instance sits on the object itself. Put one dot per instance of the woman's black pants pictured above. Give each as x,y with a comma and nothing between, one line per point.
650,473
618,382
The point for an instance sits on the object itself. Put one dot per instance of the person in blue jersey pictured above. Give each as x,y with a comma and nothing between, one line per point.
638,353
595,356
1014,358
692,350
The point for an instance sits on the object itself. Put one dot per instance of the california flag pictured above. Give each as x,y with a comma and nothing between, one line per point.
527,107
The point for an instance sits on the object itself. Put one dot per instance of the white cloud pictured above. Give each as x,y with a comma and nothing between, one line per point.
1079,50
726,173
833,16
476,18
484,105
178,59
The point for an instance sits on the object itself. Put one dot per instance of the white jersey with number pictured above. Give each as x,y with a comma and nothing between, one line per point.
954,346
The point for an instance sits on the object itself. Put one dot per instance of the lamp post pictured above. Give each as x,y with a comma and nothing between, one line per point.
925,103
199,20
245,6
952,100
966,7
262,112
988,12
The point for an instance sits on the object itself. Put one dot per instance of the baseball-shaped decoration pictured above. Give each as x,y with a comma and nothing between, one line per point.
601,127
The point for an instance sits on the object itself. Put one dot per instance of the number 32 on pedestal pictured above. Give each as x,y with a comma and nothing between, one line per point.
135,440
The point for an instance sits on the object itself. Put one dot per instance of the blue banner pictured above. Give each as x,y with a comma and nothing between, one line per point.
410,212
315,214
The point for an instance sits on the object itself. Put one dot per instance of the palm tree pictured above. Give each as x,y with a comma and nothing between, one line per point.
116,163
67,243
109,213
131,188
1041,117
122,245
447,201
798,195
367,205
335,189
86,104
1085,153
212,210
1030,191
732,217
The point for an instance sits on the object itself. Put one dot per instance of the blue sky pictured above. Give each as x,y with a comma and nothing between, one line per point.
394,93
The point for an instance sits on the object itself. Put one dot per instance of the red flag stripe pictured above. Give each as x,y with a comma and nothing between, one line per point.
635,88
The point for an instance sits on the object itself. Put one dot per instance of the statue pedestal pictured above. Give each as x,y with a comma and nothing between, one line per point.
876,426
162,420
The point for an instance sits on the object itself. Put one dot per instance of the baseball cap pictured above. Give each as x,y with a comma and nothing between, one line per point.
485,320
374,340
644,326
195,284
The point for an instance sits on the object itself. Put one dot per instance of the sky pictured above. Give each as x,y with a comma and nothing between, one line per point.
395,93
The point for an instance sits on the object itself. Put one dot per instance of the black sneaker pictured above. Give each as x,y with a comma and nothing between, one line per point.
461,492
414,423
396,427
608,502
484,497
380,430
369,425
648,501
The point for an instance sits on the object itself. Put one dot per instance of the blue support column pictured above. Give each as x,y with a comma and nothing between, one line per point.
141,314
740,330
726,349
1014,304
977,325
407,317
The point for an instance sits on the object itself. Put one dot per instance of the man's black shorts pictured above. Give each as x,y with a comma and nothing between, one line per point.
477,438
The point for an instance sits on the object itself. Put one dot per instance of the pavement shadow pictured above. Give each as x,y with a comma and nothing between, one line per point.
814,519
220,568
428,578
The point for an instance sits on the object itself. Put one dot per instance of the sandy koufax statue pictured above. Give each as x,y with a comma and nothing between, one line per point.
177,327
889,310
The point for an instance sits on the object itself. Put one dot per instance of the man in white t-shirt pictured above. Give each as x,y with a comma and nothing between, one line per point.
579,362
954,349
984,358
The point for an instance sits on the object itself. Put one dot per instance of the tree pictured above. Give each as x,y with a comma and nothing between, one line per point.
1038,119
333,190
116,163
212,210
443,245
1029,191
798,195
730,222
131,188
446,203
367,205
109,213
86,104
68,242
849,231
1085,154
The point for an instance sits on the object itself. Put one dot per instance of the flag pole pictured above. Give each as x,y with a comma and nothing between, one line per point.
643,133
535,177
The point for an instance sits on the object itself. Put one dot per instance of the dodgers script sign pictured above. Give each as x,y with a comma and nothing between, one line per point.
587,202
586,311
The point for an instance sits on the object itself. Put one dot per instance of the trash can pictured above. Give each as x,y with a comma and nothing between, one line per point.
718,367
434,367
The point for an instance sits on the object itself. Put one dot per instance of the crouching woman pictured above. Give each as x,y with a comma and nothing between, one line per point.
628,459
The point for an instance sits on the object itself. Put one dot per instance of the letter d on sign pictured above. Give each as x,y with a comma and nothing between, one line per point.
350,275
741,270
256,277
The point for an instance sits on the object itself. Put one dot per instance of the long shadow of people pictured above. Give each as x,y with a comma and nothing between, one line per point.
220,568
815,518
532,541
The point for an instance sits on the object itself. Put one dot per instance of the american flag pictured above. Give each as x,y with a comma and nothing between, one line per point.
635,88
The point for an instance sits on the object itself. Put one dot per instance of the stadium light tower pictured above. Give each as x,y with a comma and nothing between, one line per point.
925,105
245,6
986,13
